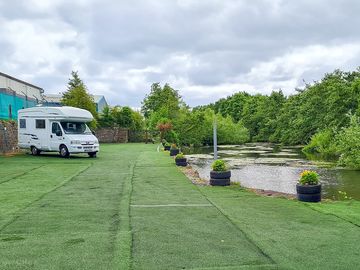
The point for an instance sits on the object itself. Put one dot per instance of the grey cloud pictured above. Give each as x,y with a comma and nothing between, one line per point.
222,42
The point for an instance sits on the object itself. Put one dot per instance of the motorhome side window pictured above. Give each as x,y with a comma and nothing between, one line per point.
22,123
40,123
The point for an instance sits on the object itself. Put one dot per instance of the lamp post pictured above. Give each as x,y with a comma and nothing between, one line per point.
215,138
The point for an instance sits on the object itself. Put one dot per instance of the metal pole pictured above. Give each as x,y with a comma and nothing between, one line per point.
215,139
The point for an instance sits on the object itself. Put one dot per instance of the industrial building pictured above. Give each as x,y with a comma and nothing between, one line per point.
16,94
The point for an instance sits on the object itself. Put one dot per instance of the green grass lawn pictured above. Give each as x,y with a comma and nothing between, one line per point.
131,208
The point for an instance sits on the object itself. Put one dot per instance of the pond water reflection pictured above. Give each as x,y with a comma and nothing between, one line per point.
271,167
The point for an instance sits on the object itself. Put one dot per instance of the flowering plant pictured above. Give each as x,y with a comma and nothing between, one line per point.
309,178
173,146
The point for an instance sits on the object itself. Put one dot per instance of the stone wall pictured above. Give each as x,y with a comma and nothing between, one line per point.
112,135
8,137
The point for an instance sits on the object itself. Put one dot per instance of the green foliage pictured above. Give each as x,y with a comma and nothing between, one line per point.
295,119
348,144
309,178
77,96
230,132
219,166
322,142
121,117
180,156
164,99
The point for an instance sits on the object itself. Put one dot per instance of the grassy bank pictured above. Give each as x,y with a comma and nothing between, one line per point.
131,208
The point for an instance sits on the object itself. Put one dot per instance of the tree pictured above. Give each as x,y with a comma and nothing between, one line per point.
121,117
105,118
164,98
78,96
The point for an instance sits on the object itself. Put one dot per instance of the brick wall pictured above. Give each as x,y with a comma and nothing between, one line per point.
112,135
8,137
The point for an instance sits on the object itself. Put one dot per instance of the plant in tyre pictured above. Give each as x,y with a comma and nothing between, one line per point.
308,188
220,174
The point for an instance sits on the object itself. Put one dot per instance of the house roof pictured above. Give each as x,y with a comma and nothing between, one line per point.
97,98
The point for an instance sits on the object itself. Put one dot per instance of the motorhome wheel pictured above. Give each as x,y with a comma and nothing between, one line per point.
64,152
92,154
35,151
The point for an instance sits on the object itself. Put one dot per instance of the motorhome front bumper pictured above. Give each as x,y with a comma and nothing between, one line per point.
84,148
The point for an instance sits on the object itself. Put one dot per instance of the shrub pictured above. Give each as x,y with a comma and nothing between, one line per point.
171,136
322,142
348,144
219,166
309,178
180,156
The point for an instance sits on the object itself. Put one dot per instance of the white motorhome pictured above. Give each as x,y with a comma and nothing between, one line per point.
56,129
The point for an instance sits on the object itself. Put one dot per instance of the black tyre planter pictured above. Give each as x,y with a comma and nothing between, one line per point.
308,193
181,162
220,178
167,148
174,152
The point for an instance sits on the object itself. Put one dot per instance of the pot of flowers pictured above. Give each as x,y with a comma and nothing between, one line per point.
174,150
180,160
167,146
220,174
309,189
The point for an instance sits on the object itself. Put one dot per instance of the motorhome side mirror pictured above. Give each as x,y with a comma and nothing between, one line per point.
93,132
58,133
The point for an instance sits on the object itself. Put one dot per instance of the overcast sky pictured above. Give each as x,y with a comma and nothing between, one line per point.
206,49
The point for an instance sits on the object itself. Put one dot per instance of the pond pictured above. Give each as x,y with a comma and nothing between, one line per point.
272,167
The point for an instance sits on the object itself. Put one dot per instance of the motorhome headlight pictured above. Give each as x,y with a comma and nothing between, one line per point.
75,142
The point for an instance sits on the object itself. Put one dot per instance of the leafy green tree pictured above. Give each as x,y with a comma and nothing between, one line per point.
164,98
105,118
77,96
121,117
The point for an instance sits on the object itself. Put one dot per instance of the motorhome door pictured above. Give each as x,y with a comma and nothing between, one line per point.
56,136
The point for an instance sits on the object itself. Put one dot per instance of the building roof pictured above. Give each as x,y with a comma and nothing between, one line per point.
53,98
20,81
56,98
97,98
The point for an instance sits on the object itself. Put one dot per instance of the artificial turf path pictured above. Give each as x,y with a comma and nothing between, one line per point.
131,208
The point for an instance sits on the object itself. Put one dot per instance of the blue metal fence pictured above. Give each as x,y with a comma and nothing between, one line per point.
10,103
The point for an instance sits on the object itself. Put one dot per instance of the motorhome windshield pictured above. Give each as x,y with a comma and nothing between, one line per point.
75,128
